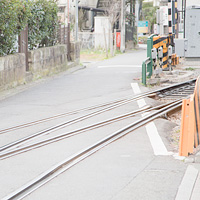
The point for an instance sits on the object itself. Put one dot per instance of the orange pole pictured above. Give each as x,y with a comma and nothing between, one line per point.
183,146
196,113
191,126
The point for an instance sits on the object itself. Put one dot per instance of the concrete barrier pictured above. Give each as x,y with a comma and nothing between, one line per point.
42,62
48,60
12,70
75,52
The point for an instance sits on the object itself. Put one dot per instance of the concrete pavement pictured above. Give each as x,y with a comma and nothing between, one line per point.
126,169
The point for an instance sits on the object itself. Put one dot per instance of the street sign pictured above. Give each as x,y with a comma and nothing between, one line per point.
143,26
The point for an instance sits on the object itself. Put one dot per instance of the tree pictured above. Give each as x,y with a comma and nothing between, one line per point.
14,15
112,10
43,23
130,21
149,14
130,15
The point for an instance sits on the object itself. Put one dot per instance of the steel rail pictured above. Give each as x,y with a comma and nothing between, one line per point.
7,154
28,124
32,123
62,125
76,158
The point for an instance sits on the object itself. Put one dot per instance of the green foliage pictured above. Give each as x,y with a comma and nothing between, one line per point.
143,39
41,17
13,19
190,69
43,23
130,17
149,13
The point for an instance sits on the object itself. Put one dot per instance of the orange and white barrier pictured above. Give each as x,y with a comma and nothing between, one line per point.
190,123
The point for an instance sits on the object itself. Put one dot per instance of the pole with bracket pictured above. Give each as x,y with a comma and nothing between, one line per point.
76,21
122,48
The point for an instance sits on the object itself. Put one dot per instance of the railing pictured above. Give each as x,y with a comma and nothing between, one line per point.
144,70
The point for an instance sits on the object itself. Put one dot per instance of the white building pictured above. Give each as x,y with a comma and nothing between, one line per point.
155,2
193,2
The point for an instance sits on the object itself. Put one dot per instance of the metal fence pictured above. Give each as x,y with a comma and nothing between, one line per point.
129,33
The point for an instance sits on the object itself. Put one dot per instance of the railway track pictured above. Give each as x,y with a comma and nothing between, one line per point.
62,136
177,92
76,158
158,111
161,93
33,123
106,107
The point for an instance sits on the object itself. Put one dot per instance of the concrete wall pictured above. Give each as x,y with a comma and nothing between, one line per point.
42,62
75,52
90,40
12,70
48,60
87,40
101,24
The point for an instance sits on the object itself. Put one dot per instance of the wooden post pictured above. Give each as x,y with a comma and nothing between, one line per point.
187,132
183,145
115,40
23,45
106,47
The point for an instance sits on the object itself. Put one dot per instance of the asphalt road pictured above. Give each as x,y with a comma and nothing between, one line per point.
126,169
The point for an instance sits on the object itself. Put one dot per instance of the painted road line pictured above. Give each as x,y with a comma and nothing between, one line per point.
141,102
156,141
152,132
186,187
120,66
135,88
196,191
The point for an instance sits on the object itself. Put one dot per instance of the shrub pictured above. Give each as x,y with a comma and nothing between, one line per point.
143,39
13,19
43,23
41,17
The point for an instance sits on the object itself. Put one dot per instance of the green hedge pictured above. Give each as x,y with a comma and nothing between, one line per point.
43,23
42,19
13,18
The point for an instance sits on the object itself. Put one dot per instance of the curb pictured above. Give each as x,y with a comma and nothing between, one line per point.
193,158
4,94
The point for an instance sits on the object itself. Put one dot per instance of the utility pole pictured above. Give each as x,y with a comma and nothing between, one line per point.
122,48
68,10
137,6
76,21
68,31
184,15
